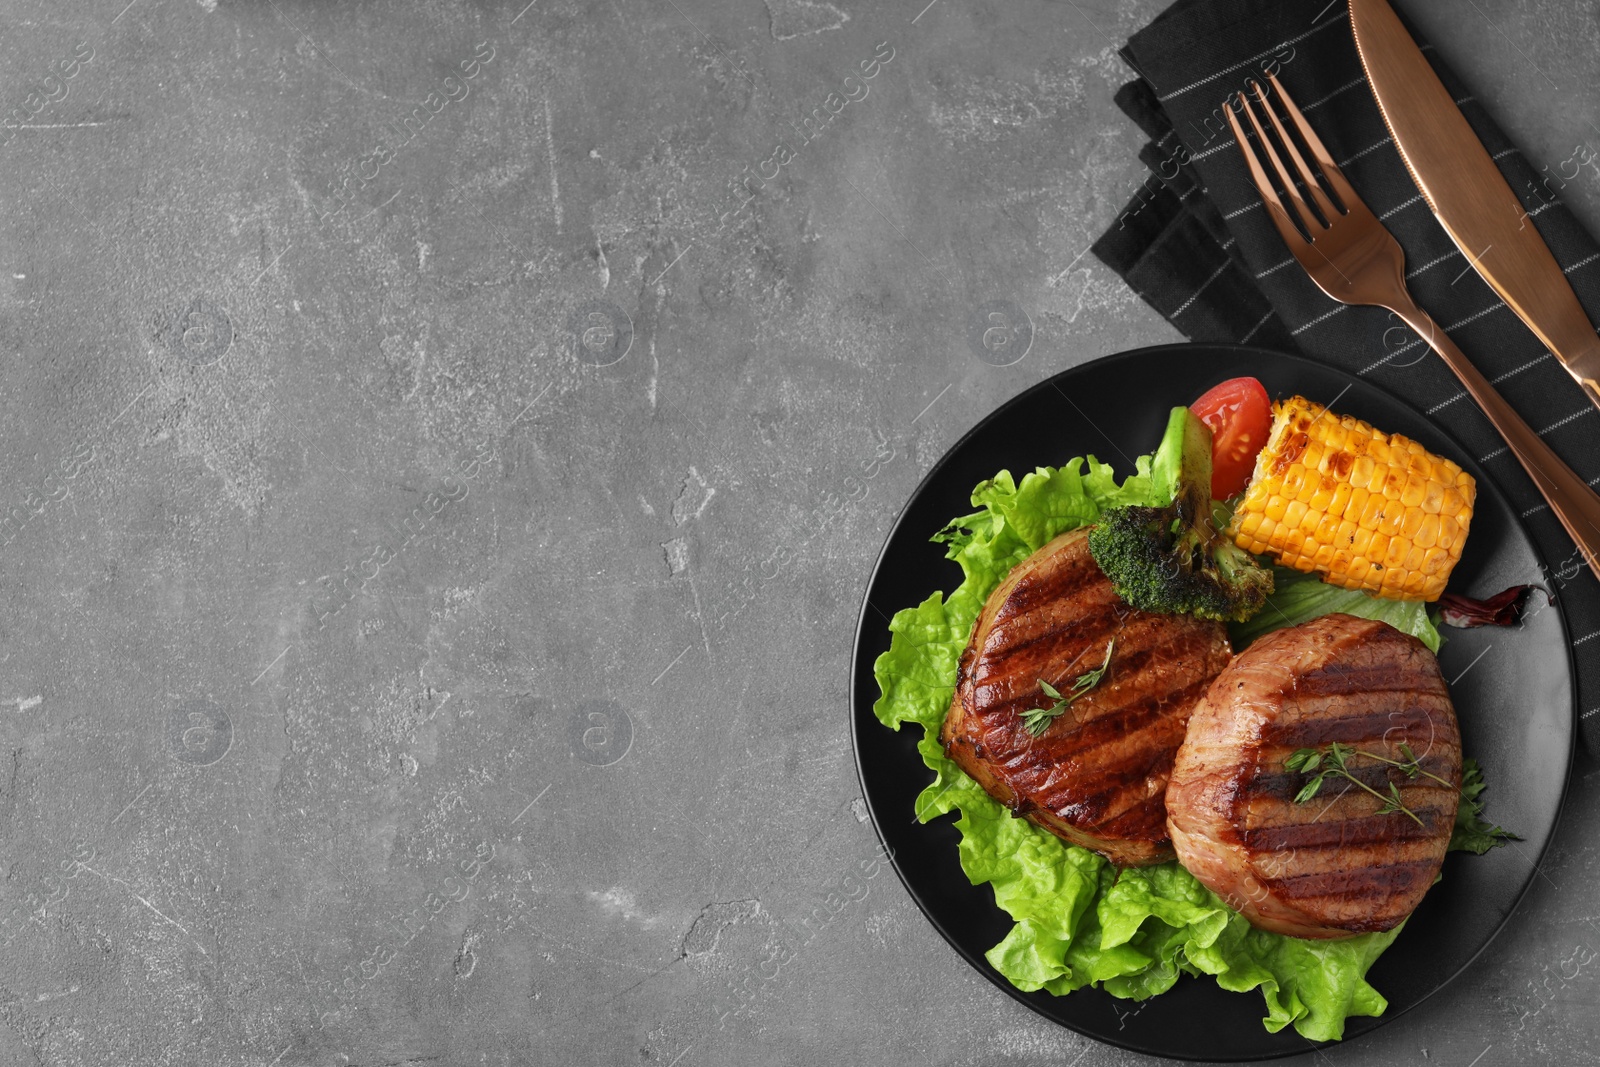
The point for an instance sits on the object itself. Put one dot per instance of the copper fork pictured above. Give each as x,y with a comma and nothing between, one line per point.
1355,259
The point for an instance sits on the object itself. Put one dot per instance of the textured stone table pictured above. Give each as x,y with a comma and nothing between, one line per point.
439,505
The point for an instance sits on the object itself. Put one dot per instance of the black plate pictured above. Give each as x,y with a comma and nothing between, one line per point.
1516,703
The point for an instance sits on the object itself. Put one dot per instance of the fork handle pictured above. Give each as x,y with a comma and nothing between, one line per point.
1569,496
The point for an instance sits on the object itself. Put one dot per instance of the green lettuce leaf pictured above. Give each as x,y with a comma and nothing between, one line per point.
1078,921
1298,597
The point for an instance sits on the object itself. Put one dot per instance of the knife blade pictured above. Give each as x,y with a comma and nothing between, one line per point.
1468,194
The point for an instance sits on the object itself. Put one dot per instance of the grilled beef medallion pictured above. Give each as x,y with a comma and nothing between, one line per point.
1097,775
1333,866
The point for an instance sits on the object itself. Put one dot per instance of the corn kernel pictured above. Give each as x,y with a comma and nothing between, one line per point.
1361,471
1427,533
1411,523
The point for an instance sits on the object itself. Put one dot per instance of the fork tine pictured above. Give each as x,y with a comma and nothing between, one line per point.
1307,176
1258,177
1312,222
1330,169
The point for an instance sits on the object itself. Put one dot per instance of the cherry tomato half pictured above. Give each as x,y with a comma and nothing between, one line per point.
1239,414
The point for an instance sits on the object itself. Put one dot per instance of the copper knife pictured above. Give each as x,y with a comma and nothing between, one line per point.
1468,194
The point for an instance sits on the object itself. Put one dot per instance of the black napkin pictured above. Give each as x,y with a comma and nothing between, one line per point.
1197,245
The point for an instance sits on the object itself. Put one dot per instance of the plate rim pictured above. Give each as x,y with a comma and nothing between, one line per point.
854,710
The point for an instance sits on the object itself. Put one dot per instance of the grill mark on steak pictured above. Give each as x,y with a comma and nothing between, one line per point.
1362,884
1097,775
1140,821
1359,726
1009,645
1355,679
1132,806
1044,587
1345,833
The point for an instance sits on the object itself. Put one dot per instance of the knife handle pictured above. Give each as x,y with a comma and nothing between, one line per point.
1584,368
1569,496
1558,319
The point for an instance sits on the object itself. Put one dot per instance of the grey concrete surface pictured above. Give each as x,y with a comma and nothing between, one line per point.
427,618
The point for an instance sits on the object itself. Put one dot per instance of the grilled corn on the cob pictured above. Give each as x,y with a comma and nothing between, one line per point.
1366,509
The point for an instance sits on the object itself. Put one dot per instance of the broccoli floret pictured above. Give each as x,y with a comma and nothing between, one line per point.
1173,559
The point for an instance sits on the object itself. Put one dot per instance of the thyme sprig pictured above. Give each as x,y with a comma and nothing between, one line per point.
1038,720
1334,762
